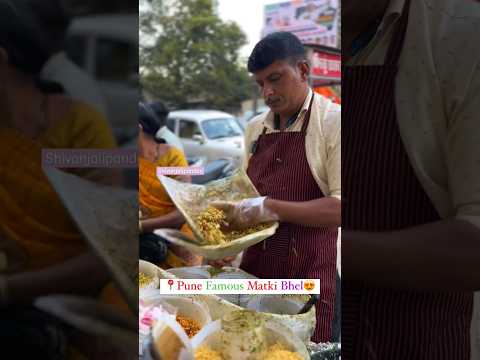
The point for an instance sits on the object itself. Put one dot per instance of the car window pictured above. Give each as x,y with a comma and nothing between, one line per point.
188,129
115,60
171,125
76,49
222,128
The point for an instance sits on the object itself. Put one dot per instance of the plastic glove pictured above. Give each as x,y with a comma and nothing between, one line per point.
246,213
222,262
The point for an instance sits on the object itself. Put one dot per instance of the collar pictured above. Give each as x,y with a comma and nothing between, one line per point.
393,13
269,121
57,60
379,28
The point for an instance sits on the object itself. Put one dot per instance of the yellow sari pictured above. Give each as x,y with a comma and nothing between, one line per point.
154,201
31,214
153,198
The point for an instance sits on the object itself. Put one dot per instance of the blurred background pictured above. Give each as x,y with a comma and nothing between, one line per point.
102,40
193,59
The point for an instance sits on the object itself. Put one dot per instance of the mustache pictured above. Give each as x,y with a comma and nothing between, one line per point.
271,100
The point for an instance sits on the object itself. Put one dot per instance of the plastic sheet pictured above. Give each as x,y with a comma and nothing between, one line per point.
192,199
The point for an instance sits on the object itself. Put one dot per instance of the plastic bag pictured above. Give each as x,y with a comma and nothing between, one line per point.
191,200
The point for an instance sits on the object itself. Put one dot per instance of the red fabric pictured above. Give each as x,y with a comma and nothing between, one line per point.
279,169
382,193
328,93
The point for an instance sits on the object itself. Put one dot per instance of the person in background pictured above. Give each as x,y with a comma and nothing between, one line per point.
164,132
293,159
42,250
411,177
156,207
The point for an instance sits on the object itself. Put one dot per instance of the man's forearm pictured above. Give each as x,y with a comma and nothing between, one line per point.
171,220
315,213
84,274
443,256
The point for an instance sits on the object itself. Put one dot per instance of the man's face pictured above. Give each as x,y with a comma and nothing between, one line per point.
282,85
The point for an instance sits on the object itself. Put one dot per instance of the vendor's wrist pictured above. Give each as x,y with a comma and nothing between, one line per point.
269,205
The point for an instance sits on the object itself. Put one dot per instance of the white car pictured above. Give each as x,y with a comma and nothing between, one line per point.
208,133
106,46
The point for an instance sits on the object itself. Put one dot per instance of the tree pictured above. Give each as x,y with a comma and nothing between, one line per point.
194,57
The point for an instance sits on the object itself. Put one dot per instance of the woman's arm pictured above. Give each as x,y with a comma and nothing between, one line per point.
84,274
172,220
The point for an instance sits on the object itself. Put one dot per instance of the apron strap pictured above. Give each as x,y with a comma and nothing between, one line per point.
305,122
396,45
307,115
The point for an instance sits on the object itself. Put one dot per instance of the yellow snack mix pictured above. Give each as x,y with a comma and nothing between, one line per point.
205,353
190,326
279,352
144,279
210,223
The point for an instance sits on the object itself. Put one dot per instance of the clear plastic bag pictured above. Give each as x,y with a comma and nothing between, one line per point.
191,200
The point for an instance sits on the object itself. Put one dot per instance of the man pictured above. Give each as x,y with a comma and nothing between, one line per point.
410,222
293,159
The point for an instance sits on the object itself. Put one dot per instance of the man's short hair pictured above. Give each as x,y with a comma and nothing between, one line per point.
276,46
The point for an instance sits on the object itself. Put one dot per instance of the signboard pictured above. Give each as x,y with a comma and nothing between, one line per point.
326,66
312,21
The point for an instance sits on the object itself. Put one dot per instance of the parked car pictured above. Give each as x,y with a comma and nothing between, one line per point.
209,133
106,46
249,114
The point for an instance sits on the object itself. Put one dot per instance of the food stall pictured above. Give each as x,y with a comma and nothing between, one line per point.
326,70
221,326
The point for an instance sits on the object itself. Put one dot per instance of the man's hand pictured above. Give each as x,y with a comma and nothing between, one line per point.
246,213
227,261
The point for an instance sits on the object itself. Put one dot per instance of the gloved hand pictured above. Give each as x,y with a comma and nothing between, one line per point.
227,261
246,213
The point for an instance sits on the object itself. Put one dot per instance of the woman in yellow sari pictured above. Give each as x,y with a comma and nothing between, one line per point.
41,250
157,209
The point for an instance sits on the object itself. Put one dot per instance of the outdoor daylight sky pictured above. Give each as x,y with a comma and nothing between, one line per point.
248,14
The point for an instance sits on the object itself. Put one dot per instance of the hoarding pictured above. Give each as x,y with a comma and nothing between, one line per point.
326,66
312,21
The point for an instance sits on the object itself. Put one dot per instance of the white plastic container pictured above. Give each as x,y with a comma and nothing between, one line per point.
284,309
170,342
186,306
275,305
243,335
236,343
150,270
190,273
